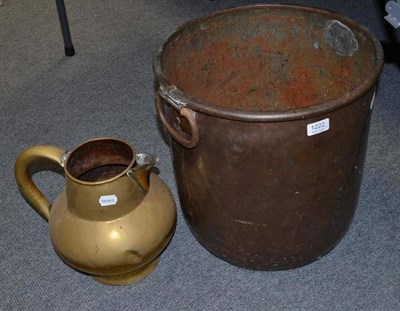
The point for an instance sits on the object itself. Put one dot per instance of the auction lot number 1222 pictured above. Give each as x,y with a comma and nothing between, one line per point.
318,127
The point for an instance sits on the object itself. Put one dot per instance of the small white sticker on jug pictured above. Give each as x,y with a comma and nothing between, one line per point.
107,200
318,127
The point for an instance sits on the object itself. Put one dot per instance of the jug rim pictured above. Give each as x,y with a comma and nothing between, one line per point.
167,90
105,181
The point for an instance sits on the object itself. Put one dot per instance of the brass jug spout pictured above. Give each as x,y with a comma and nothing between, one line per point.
140,172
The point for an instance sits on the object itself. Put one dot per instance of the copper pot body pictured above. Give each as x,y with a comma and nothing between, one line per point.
113,218
268,108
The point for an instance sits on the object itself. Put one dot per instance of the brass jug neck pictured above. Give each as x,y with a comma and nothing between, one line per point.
103,201
99,177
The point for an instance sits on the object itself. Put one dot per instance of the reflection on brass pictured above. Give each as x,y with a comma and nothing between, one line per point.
113,218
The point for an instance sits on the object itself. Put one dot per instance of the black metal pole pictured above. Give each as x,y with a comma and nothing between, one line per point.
62,15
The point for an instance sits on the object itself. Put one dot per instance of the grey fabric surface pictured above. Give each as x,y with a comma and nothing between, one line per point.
107,89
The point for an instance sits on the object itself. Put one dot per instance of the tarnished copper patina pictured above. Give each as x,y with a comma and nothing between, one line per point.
268,108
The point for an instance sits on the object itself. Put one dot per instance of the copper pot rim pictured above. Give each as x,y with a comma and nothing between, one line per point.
90,183
272,116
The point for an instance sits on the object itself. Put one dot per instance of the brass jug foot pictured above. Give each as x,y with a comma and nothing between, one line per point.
128,278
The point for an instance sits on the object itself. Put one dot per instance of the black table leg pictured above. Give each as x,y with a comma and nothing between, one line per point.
62,15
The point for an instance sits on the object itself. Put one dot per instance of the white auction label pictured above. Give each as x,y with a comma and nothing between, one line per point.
318,127
107,200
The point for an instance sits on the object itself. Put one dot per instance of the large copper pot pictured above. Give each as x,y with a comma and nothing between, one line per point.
268,108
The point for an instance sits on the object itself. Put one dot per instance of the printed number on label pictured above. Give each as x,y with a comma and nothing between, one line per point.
318,127
107,200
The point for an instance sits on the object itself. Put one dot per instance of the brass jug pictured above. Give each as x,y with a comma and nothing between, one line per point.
113,218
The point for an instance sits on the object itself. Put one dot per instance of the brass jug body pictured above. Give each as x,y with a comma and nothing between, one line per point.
113,218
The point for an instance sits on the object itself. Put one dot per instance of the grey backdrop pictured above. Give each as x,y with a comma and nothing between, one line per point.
106,89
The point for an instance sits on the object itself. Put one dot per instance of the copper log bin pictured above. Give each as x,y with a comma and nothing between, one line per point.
268,108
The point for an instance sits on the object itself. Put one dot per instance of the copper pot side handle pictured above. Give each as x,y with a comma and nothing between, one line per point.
188,114
24,178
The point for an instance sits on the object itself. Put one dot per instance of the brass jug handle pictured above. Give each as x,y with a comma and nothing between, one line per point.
24,178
